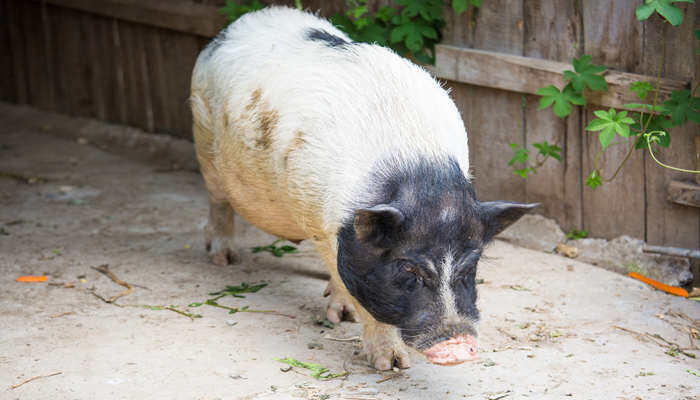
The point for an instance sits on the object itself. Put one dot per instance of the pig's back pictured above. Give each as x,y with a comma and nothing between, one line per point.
318,112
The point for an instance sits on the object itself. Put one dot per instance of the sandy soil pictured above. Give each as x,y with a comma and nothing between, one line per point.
549,326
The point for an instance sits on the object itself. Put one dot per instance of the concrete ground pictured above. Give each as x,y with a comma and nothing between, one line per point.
551,327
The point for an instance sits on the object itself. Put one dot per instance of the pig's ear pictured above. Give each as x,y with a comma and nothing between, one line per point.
498,215
375,225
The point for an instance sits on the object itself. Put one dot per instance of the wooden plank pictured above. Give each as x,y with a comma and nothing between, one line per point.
669,223
72,83
552,29
178,15
528,74
120,61
159,89
131,58
493,118
185,49
18,51
612,37
97,77
8,90
684,193
36,65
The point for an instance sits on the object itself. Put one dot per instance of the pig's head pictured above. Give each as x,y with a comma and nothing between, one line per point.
410,256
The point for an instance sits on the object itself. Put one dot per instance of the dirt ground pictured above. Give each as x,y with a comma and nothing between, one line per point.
551,327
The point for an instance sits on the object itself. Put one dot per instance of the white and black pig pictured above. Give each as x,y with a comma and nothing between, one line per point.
309,135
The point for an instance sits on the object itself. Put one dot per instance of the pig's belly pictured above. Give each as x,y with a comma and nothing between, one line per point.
261,204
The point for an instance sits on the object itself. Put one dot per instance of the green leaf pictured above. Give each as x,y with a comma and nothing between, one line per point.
460,6
562,99
659,108
385,13
594,180
641,89
548,150
586,74
682,107
233,10
194,304
412,33
665,8
608,123
522,172
521,155
317,371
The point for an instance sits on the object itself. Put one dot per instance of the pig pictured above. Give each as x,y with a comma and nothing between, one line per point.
307,134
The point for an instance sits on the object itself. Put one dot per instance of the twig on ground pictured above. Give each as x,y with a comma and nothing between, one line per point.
350,339
34,378
390,377
63,314
673,349
104,268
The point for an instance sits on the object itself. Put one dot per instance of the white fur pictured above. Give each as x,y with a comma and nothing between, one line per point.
355,105
446,293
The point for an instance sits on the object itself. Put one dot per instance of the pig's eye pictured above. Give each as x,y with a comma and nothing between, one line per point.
412,279
408,267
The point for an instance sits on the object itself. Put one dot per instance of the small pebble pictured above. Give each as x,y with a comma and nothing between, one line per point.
231,322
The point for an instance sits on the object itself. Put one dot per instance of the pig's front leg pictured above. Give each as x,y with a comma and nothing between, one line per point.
384,346
382,343
218,234
340,306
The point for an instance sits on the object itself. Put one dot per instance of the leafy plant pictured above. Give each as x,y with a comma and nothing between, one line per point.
412,28
609,123
522,155
317,371
665,8
576,234
233,10
276,251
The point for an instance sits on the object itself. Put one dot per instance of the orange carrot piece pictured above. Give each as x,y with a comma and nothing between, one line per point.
31,278
666,288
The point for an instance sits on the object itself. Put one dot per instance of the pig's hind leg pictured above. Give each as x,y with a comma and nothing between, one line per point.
218,234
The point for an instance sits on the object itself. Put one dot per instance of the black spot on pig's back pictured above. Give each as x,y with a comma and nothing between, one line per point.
327,38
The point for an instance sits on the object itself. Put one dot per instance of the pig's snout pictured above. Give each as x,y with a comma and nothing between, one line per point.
452,351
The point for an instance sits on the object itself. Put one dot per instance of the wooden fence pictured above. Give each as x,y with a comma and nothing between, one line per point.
129,62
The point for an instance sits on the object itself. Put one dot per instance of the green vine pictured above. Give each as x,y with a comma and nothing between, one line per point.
651,124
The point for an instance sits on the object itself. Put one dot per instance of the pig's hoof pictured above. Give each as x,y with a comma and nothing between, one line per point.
384,347
220,252
340,308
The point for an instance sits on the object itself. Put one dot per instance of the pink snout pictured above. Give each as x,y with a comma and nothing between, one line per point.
452,351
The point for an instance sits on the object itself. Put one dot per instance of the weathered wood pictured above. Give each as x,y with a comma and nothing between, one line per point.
184,48
617,207
18,52
493,118
8,90
160,91
135,88
527,75
668,222
684,193
39,93
178,15
552,28
73,69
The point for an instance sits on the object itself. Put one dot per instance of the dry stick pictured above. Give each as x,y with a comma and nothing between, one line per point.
390,377
657,339
33,379
104,268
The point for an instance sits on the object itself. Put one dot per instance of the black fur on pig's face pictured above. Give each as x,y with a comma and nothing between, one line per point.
410,256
